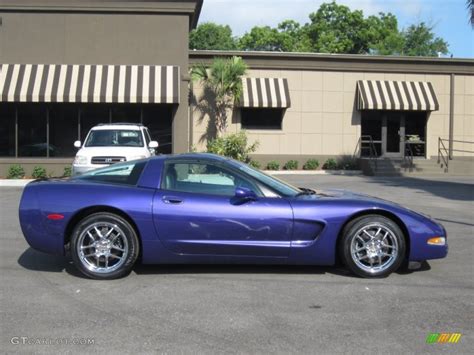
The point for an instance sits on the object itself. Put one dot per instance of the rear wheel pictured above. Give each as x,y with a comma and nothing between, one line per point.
104,246
373,246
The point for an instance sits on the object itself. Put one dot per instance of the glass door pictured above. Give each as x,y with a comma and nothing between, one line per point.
393,133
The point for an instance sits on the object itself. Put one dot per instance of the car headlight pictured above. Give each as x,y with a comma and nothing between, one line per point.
138,157
80,160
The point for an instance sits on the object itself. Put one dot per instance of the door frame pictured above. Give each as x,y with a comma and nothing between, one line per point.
401,133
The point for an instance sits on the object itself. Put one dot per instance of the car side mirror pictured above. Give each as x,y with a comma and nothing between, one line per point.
77,144
242,193
153,145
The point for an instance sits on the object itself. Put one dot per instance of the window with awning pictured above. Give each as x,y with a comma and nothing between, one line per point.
265,93
396,96
90,83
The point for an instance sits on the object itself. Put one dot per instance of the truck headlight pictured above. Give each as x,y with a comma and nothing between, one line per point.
138,157
80,160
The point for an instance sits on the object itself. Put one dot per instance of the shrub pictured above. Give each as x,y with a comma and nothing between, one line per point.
330,164
39,173
67,171
311,164
16,172
255,164
291,165
273,165
234,146
347,162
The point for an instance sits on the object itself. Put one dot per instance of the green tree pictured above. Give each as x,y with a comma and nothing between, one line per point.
383,36
212,36
336,29
419,40
224,80
289,36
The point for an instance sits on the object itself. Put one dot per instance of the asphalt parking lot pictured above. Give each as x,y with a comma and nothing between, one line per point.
251,309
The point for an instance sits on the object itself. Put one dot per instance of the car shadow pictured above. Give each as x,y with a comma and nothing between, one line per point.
34,260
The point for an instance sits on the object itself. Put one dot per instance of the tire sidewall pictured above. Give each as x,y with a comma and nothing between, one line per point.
130,235
349,234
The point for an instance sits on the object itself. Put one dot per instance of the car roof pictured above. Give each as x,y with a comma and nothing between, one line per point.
119,126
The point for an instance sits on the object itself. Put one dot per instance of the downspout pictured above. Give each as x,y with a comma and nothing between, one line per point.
451,117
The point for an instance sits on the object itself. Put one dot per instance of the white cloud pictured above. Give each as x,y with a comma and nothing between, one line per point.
244,14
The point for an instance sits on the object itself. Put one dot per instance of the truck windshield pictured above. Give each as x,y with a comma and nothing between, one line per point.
114,138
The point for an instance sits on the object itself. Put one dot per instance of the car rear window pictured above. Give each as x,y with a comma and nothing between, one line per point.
124,173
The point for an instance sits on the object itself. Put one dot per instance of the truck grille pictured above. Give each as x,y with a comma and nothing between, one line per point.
107,160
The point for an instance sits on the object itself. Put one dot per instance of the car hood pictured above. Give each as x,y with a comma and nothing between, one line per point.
110,151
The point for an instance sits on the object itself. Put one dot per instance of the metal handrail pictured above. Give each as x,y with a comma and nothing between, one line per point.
408,156
441,148
372,151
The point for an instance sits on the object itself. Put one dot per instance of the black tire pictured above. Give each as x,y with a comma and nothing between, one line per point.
359,268
129,244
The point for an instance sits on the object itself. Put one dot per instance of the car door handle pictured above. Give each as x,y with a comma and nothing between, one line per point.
172,200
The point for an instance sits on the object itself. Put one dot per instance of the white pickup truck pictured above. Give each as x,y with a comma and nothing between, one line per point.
108,144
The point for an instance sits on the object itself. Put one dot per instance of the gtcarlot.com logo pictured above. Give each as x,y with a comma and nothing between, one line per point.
22,340
443,338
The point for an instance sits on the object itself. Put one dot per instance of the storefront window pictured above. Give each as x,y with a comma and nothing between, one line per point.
371,130
32,138
92,115
159,120
7,130
62,130
126,114
259,118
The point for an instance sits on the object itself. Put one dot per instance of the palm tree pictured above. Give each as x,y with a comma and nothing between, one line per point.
470,7
224,79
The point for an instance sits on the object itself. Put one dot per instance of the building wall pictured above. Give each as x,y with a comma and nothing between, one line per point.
323,120
101,38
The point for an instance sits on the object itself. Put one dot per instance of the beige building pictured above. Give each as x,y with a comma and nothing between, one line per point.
76,64
402,105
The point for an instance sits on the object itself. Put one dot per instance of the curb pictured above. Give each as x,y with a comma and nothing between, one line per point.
314,172
14,182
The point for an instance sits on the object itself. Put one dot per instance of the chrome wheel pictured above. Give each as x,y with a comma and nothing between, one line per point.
374,248
102,247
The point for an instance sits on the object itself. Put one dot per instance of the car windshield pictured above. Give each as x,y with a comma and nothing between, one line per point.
114,138
282,188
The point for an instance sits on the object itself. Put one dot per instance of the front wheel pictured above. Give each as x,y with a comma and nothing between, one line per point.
373,246
104,246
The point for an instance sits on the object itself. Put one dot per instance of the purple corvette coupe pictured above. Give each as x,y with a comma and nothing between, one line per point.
202,208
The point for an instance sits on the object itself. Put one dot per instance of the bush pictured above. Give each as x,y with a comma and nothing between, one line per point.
234,146
330,164
255,164
67,171
291,165
311,164
273,165
39,173
16,172
347,162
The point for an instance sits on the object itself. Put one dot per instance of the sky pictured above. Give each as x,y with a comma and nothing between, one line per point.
449,17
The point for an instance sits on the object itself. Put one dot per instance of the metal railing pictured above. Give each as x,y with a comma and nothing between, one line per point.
408,156
443,154
366,143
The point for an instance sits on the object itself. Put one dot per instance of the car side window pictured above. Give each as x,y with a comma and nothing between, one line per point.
147,137
204,178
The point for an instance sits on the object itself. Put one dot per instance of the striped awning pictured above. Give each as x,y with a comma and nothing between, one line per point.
89,83
396,95
265,93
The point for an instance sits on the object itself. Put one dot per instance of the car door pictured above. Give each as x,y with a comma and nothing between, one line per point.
196,212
